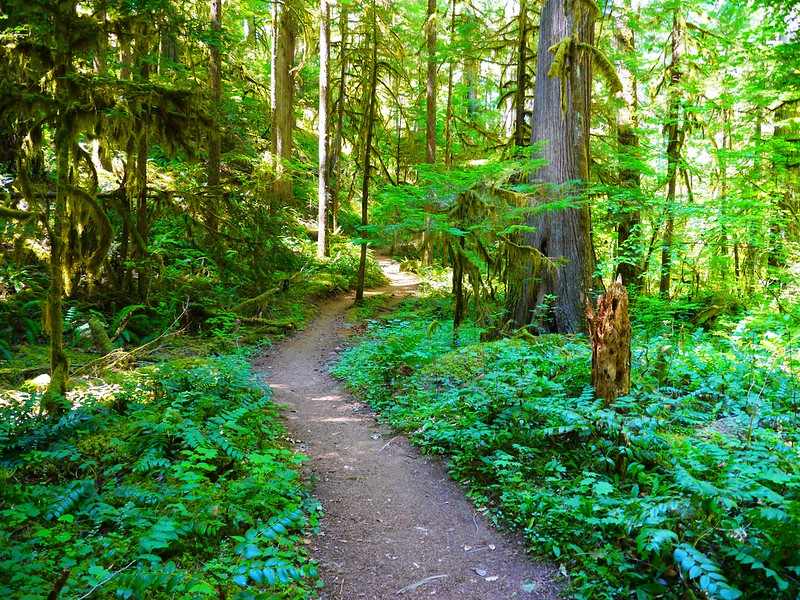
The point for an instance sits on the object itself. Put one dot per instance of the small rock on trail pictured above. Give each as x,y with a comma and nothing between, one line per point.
395,525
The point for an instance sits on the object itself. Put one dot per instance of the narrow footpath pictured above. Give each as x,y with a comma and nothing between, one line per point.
395,525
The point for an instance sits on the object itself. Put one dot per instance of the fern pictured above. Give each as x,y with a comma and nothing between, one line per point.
705,572
71,499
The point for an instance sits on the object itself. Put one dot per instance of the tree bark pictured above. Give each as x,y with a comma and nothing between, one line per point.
336,159
561,135
426,257
610,333
675,137
214,166
283,107
370,123
324,63
522,67
629,220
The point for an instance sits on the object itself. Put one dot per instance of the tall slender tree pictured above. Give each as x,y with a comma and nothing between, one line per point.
675,136
369,124
324,172
283,119
430,120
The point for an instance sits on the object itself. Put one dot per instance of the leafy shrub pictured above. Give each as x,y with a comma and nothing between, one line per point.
176,488
689,486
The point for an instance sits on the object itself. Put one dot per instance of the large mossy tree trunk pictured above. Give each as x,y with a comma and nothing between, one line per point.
54,401
559,224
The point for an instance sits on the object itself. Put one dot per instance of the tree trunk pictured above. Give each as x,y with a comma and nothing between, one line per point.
610,333
448,128
142,223
522,76
370,123
54,401
336,162
426,257
283,108
563,235
629,220
324,63
214,166
675,137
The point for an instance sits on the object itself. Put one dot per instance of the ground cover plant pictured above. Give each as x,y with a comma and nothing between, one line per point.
686,489
171,483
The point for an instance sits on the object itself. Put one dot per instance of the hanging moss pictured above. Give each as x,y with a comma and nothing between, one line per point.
603,66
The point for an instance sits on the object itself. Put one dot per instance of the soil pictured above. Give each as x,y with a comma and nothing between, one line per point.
395,524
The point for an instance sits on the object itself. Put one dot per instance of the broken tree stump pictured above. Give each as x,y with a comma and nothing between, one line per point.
610,334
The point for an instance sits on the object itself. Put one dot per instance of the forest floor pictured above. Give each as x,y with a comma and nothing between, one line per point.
395,525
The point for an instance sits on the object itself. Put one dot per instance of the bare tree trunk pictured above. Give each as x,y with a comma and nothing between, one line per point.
283,108
370,123
629,221
675,135
522,76
336,166
324,63
562,235
448,128
430,123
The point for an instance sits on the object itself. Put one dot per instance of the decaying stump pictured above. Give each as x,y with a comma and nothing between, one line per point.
610,333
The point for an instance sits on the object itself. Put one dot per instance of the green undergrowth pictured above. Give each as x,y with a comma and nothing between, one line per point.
689,488
173,483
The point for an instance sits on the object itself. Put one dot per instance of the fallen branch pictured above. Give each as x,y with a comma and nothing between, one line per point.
258,304
416,584
386,445
116,356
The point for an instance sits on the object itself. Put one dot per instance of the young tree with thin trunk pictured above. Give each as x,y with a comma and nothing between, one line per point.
324,63
675,137
522,76
430,120
336,157
372,100
214,166
283,105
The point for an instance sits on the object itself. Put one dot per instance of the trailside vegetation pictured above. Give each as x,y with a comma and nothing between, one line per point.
171,482
686,487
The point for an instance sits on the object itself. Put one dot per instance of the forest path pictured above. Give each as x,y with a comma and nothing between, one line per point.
395,525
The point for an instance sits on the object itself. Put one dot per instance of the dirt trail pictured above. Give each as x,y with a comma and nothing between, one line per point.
394,525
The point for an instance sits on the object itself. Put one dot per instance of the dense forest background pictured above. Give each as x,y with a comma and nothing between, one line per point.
172,168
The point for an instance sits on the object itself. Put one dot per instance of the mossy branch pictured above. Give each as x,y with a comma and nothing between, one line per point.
19,215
